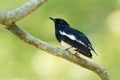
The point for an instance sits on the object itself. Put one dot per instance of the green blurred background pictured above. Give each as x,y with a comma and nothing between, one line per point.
98,19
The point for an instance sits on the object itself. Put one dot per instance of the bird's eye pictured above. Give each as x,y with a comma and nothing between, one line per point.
59,21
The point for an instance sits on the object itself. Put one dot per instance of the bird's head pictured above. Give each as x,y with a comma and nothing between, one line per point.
59,22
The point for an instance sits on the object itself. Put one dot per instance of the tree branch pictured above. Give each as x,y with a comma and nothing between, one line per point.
26,37
9,18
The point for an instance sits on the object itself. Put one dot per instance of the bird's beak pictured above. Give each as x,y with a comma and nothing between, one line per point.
52,19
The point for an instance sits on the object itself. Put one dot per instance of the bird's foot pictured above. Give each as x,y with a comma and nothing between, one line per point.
76,54
68,48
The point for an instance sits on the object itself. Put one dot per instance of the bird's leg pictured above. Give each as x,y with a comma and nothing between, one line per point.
77,52
68,48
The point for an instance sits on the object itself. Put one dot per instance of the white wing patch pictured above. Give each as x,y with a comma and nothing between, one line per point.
72,37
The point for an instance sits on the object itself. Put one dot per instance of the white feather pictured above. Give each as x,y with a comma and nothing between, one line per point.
65,44
72,37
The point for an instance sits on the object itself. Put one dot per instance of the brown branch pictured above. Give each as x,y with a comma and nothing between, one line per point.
26,37
9,18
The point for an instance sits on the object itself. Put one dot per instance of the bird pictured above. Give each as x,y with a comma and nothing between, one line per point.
72,38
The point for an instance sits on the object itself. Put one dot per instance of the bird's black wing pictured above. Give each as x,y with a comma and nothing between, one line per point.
69,37
78,40
81,37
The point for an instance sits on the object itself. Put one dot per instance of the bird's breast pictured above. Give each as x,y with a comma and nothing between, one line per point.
66,45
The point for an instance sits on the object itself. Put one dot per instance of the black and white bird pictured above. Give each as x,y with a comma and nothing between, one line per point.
72,38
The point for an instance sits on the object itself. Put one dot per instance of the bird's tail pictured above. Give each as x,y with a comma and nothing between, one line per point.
86,52
93,50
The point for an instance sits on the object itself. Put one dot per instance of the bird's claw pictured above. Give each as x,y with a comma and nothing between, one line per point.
68,48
